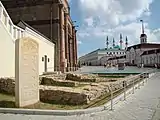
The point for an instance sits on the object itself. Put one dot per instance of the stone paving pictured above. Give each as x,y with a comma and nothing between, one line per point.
143,105
101,69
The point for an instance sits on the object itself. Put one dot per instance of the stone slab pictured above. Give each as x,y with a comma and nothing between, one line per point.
26,72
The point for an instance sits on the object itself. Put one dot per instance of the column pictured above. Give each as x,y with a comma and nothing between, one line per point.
1,12
57,38
12,32
62,45
76,49
69,53
66,41
16,33
73,51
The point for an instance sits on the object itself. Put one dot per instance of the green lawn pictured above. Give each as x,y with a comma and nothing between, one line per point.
8,101
113,76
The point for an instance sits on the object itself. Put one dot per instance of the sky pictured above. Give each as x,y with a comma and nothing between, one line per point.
98,19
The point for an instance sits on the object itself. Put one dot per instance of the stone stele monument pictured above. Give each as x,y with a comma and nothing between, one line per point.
26,72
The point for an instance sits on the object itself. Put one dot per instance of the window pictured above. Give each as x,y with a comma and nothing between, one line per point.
154,59
150,60
146,60
42,59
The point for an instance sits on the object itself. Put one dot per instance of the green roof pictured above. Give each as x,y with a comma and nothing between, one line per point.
116,48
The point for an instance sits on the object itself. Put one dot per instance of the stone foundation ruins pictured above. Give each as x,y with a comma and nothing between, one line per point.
77,90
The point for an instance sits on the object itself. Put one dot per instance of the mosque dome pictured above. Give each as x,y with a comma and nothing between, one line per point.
117,47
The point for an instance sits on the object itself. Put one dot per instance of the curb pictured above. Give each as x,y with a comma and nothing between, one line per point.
50,112
65,112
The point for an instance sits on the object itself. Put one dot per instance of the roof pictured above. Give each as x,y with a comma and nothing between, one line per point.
23,25
115,58
116,48
144,45
148,52
143,35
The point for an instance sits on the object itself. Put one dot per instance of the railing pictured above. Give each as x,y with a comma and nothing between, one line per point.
129,86
15,31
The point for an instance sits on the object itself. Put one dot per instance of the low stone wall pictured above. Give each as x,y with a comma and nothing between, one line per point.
85,78
49,81
7,85
51,95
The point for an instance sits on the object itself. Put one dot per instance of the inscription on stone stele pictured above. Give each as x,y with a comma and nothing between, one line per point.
26,72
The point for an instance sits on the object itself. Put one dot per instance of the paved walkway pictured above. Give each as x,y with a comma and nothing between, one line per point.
92,69
143,105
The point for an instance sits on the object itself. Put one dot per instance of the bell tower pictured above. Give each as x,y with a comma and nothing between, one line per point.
143,36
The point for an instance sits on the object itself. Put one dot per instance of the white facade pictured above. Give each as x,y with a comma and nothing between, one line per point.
9,33
100,56
89,58
111,54
151,59
133,54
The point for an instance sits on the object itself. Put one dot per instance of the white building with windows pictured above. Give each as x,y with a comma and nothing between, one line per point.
134,53
100,56
151,58
9,33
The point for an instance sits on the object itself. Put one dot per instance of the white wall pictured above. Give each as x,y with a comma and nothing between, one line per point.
45,48
151,59
134,54
7,53
8,33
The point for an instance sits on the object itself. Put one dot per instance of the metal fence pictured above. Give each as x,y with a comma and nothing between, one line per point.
129,86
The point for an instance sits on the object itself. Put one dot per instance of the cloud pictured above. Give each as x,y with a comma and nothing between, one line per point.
101,18
113,12
79,42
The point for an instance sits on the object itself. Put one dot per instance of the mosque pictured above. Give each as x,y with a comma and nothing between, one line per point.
100,56
143,54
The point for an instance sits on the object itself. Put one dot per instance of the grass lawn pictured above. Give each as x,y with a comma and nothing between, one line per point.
114,76
8,101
